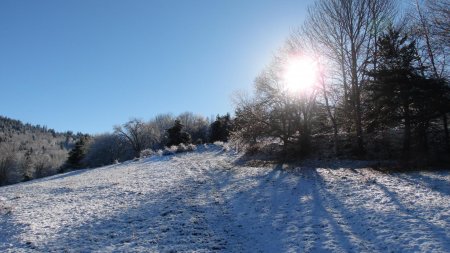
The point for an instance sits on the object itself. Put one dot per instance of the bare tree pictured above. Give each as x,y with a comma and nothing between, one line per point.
106,149
429,42
163,121
195,125
134,132
275,112
345,31
431,27
440,18
305,40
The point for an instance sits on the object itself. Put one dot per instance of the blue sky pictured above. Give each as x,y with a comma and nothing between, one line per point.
88,65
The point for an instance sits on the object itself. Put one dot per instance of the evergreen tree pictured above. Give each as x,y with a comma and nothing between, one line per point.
77,154
176,135
394,83
221,128
400,93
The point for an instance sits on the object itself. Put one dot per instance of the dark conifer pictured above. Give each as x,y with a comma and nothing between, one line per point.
176,135
220,128
400,93
77,154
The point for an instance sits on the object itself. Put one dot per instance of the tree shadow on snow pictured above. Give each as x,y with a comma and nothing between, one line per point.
435,184
315,218
274,210
412,214
163,222
291,214
10,232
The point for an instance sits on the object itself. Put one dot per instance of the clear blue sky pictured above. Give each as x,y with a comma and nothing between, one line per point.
88,65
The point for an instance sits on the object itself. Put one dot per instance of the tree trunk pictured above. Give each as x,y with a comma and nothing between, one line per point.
407,131
423,137
333,121
445,122
359,132
357,102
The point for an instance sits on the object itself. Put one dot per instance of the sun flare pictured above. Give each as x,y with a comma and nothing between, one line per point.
300,74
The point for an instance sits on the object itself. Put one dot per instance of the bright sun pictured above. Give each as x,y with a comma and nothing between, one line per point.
300,74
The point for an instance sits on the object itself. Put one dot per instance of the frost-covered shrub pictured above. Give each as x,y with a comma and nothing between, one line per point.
160,152
186,148
219,143
226,147
146,153
173,149
177,149
169,151
191,147
181,148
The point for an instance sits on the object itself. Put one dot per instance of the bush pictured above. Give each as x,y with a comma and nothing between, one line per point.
186,148
191,147
218,143
169,151
181,148
224,145
146,153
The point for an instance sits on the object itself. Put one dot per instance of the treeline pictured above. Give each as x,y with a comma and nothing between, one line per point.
382,88
28,151
137,138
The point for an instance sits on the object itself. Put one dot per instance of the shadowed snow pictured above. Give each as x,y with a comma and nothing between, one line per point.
204,202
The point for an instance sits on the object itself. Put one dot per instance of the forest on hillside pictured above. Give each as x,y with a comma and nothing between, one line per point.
28,151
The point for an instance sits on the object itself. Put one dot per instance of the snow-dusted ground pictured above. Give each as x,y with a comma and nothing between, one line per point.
204,202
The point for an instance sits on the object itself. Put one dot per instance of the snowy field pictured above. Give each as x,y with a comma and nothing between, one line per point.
204,202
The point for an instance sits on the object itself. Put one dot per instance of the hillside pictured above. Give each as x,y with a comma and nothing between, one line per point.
31,151
205,201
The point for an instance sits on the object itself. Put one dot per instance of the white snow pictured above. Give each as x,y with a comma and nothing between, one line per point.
202,202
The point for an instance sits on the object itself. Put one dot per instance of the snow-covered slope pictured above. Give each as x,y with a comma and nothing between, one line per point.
204,202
